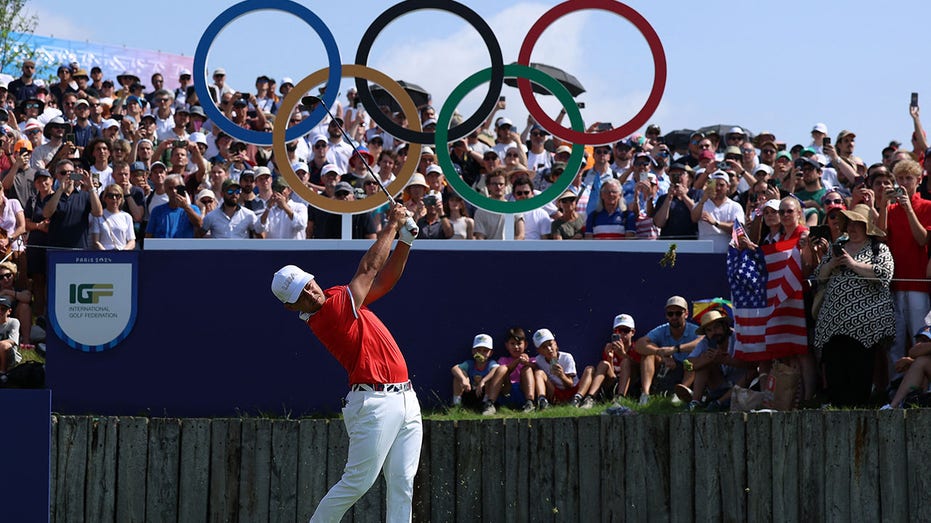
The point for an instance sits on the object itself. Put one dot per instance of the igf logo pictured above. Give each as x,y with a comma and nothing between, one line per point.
89,292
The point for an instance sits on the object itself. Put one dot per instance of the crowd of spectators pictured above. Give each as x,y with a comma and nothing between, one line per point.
91,163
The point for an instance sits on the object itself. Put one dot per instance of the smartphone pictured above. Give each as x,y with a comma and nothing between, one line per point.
771,183
820,231
914,99
580,105
180,190
781,146
606,126
837,248
244,96
70,138
644,177
826,141
180,143
615,337
77,176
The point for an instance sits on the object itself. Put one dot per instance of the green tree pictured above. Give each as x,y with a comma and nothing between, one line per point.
15,24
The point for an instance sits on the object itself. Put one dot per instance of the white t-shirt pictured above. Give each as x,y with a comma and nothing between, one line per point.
729,211
566,361
113,230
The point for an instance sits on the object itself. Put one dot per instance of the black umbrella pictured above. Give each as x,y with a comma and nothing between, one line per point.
678,140
722,129
417,93
570,82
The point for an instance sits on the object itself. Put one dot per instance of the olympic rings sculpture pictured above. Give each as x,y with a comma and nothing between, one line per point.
413,134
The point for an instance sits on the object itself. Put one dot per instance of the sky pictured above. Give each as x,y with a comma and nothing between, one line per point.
778,66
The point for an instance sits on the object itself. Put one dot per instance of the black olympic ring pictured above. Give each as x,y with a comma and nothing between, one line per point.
494,84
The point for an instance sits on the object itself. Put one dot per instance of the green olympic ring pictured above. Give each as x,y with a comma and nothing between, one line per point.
480,200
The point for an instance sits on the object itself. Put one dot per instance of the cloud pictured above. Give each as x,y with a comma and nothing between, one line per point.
52,23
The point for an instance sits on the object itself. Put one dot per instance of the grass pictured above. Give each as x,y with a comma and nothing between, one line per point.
656,405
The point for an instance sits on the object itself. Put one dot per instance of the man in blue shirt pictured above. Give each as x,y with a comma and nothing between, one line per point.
666,347
177,219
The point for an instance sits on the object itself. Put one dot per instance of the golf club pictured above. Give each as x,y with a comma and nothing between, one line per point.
310,100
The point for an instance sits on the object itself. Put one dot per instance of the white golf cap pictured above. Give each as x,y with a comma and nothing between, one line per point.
434,168
317,138
735,130
820,127
482,340
542,336
288,283
765,168
624,320
300,166
199,137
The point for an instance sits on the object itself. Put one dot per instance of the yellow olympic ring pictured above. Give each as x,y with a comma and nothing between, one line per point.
373,201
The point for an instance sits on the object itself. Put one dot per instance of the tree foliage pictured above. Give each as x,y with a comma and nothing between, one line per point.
15,23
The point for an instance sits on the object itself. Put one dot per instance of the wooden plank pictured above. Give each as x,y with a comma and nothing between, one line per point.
918,441
681,468
635,468
759,467
837,466
468,470
443,469
785,475
421,505
100,496
312,466
657,461
338,450
225,456
893,465
542,463
516,467
255,469
589,429
565,468
708,436
194,485
732,469
613,459
161,490
494,450
864,482
282,505
812,453
131,469
53,471
72,464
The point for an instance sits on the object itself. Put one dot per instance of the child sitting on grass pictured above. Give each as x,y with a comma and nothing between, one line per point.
474,376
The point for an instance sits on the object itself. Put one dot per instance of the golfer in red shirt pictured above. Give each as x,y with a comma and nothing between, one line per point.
382,414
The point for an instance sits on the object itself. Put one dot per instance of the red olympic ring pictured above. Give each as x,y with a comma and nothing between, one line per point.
659,72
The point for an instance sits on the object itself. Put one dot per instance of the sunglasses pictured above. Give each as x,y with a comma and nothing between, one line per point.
319,145
114,196
622,330
233,191
747,151
769,151
835,201
641,164
602,151
6,275
512,155
522,193
783,212
205,201
371,183
32,106
33,131
674,314
537,133
491,158
496,184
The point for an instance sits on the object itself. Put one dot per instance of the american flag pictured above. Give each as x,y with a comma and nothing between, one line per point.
769,309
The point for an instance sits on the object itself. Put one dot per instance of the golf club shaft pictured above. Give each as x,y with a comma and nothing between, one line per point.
367,166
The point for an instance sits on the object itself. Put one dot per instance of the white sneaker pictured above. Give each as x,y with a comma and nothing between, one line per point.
644,398
886,407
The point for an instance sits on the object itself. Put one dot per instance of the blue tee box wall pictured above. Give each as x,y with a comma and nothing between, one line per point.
25,437
211,340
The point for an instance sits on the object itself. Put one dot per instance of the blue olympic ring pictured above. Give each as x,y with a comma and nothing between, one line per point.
234,12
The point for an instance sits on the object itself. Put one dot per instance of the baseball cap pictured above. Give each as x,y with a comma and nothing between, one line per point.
564,149
184,72
157,164
820,127
42,172
805,160
504,121
5,302
247,172
261,170
343,186
229,182
624,320
429,121
205,193
845,133
765,168
21,144
317,138
772,204
329,168
542,336
677,301
288,283
137,166
482,340
219,71
434,168
706,154
719,175
784,154
81,101
735,130
299,166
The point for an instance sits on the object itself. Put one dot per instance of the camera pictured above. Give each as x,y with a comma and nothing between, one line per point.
675,178
723,166
77,176
181,143
837,248
580,105
429,200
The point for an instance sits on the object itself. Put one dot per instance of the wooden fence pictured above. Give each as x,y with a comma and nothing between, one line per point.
797,466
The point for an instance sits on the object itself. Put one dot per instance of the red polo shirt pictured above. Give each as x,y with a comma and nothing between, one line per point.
910,258
358,340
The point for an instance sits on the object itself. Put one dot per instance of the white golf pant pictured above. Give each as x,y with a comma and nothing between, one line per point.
385,431
910,310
